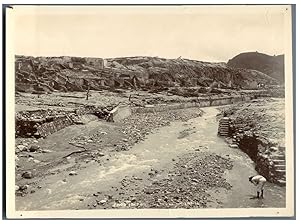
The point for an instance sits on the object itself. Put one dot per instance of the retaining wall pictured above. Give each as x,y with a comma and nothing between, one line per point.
200,103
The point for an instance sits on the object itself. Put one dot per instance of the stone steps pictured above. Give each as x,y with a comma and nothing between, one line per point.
280,166
278,157
279,161
282,182
223,126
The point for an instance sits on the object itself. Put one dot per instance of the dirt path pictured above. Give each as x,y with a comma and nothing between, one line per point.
182,165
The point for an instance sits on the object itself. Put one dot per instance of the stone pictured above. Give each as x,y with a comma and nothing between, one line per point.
103,201
101,154
23,187
72,173
127,202
27,175
17,187
273,149
233,146
36,161
34,148
21,147
46,151
195,180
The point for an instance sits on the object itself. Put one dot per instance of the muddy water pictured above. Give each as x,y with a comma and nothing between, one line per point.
159,151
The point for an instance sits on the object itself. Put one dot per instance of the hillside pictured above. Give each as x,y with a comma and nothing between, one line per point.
40,74
270,65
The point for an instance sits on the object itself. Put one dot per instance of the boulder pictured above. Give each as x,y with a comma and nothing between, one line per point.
27,175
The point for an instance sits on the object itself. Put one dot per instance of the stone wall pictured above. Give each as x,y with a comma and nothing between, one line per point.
265,155
200,103
46,129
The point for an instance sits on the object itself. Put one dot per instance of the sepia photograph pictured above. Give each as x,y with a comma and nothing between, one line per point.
148,111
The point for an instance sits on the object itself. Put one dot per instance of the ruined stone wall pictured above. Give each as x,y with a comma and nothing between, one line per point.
51,127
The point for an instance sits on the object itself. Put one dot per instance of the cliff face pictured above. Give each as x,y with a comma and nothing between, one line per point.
78,74
270,65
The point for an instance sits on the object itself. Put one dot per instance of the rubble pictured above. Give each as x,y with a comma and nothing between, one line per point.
138,126
42,75
185,187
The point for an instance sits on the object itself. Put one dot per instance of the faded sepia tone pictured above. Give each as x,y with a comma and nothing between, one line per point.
168,109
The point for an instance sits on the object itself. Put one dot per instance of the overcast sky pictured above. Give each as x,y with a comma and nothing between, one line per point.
200,33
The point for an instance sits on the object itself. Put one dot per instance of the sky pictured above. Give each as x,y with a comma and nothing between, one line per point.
206,33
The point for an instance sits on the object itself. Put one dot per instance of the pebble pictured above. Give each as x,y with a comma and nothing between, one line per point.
233,145
34,148
103,201
72,173
27,175
24,187
46,151
127,202
21,147
17,187
101,154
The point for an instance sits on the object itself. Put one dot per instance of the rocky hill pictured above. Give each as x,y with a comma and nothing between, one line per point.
270,65
48,74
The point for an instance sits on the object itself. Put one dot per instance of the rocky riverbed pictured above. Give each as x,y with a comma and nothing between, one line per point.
184,185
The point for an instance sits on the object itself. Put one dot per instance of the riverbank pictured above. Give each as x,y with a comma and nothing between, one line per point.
258,129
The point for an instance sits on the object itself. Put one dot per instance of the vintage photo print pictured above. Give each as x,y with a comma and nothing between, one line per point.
149,111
